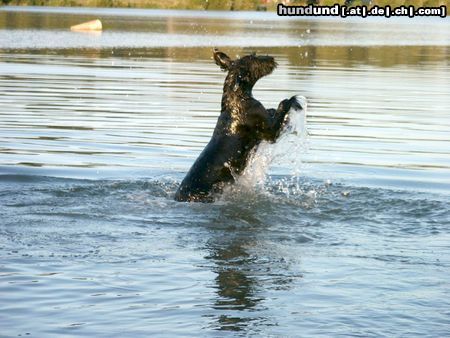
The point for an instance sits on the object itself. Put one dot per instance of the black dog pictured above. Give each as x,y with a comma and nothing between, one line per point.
243,123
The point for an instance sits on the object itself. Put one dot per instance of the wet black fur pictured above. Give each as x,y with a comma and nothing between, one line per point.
242,125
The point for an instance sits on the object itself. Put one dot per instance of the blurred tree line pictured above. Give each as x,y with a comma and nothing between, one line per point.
392,3
219,4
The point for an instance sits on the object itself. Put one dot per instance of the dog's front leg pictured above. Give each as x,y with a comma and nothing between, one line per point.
277,117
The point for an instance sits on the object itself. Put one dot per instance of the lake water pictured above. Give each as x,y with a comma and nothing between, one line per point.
349,234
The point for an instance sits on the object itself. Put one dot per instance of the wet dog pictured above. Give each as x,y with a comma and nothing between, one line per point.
243,123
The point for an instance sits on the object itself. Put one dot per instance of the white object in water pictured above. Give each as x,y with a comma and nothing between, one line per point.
94,25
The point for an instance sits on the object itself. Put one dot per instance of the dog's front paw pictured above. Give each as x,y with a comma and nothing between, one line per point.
284,106
295,103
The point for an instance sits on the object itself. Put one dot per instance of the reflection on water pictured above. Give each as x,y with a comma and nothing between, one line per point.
235,288
357,245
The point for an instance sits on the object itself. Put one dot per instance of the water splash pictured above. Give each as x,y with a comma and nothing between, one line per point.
286,152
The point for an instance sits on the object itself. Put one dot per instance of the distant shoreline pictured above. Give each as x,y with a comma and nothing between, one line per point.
225,5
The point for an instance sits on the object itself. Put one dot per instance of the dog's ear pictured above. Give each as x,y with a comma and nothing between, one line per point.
221,59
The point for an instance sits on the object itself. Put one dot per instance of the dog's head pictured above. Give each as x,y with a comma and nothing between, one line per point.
244,72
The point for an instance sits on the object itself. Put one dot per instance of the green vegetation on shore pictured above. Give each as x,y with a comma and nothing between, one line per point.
216,4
